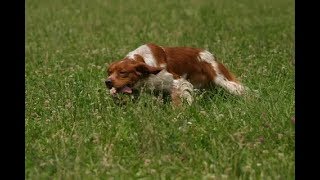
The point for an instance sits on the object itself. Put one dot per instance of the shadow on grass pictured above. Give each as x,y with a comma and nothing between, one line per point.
147,98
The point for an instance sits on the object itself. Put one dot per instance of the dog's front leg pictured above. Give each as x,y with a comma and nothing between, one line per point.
182,90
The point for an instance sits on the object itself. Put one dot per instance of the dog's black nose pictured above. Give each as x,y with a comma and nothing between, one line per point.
108,83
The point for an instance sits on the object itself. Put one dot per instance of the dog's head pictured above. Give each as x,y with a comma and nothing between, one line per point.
122,75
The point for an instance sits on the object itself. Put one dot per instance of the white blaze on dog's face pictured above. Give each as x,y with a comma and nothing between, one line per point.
123,75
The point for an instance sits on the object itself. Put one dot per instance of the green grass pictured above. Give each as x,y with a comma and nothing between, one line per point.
74,130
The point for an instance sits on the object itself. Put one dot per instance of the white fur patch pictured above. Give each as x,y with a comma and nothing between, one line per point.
184,89
209,58
146,53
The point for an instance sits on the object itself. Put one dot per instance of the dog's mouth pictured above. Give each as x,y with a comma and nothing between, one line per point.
124,90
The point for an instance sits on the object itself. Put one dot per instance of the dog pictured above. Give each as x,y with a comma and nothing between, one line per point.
176,70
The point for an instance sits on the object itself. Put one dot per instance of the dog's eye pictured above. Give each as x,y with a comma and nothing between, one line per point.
123,73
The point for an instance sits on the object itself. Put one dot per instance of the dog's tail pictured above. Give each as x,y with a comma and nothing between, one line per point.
228,81
223,77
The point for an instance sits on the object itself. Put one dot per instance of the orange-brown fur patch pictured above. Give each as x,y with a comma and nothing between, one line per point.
123,73
184,61
139,58
127,72
158,54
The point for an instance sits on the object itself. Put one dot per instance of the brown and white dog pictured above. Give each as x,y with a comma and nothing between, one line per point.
176,70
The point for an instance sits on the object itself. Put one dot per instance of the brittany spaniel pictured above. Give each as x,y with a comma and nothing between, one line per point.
177,70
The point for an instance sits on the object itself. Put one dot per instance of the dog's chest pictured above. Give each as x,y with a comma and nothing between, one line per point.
162,81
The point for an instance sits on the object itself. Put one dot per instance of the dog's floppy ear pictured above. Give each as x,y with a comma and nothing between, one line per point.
144,69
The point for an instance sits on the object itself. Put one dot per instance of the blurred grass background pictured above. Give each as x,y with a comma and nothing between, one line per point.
74,130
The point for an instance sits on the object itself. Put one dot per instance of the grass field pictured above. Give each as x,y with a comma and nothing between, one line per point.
74,130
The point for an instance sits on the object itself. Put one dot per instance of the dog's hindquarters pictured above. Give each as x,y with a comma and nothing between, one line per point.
222,76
